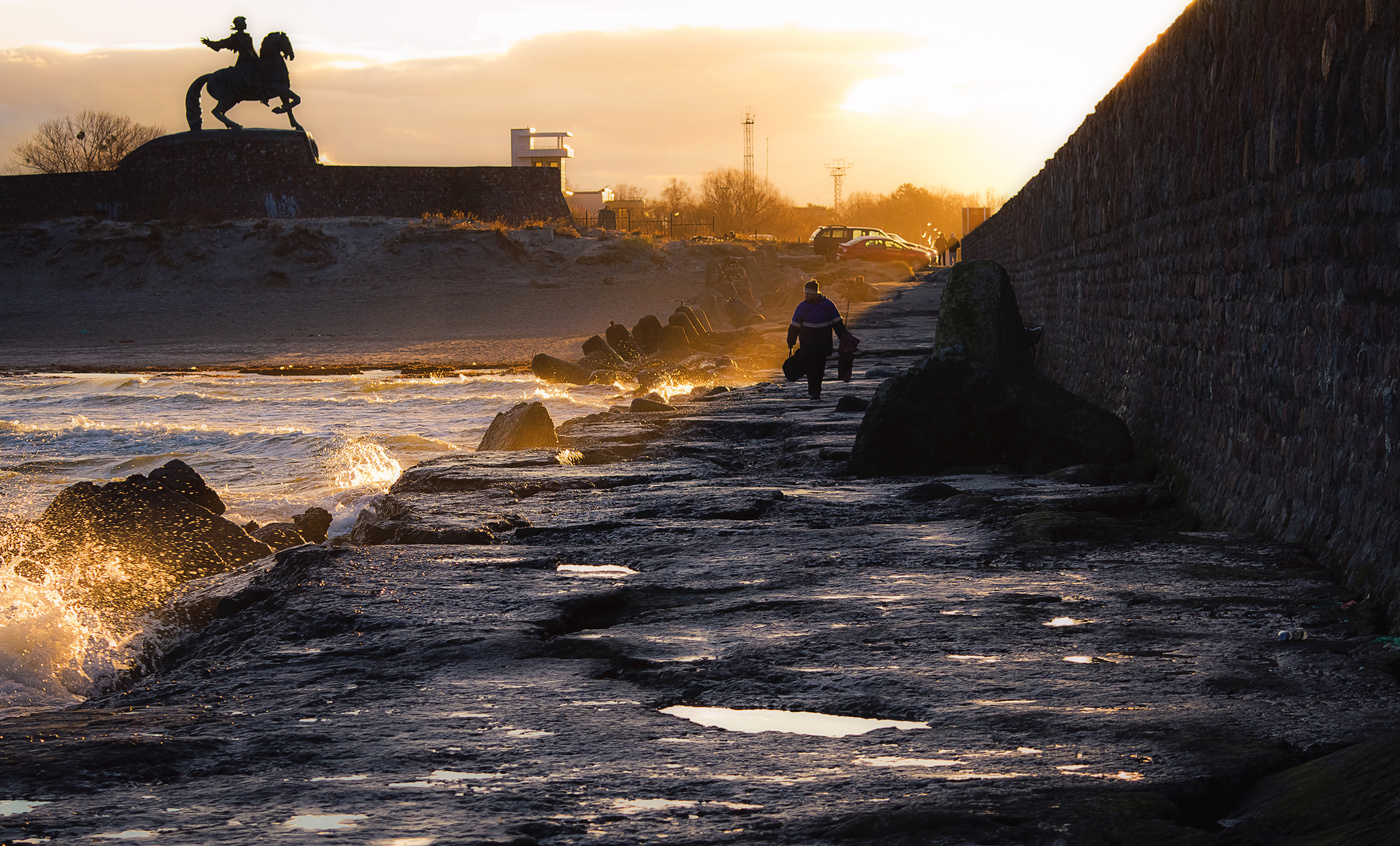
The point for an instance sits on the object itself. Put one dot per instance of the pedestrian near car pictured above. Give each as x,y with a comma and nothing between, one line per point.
953,244
813,323
940,246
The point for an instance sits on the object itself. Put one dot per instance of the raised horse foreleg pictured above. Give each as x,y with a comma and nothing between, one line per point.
289,101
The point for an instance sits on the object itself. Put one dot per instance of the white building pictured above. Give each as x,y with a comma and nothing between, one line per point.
529,148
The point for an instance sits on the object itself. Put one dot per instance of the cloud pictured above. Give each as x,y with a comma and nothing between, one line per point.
644,105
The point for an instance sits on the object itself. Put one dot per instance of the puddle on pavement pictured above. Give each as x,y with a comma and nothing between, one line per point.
756,720
9,807
445,778
341,778
130,834
528,733
325,822
1060,622
1079,659
633,806
975,659
610,571
892,761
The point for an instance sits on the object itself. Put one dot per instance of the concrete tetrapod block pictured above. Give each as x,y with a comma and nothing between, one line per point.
552,369
527,425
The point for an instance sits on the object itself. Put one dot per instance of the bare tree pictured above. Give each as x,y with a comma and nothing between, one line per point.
676,196
77,143
744,203
625,191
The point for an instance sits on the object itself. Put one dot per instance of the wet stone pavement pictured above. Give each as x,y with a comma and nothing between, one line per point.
1069,663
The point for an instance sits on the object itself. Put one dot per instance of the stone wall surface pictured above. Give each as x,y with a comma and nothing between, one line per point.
231,174
1215,255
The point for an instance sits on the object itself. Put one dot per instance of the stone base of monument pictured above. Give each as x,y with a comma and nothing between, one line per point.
223,174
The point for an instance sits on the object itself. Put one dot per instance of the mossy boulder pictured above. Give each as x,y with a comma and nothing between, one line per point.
978,400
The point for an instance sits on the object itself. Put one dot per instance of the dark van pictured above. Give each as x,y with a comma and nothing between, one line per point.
826,239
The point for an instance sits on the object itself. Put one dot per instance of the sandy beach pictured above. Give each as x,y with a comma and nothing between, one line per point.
367,292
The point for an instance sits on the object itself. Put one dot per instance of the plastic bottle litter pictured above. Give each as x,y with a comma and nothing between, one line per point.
1293,634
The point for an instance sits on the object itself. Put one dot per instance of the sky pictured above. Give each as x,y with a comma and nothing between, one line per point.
964,95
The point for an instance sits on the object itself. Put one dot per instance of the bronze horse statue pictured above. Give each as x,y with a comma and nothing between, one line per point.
230,86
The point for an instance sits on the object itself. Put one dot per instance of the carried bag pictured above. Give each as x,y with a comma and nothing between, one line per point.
795,367
846,357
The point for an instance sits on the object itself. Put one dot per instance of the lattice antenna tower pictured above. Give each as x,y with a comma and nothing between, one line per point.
838,169
748,145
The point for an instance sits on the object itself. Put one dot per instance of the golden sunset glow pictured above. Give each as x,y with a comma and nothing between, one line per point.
967,96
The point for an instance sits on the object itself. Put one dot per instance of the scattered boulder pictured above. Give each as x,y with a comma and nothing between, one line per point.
849,403
930,492
978,400
647,334
525,426
313,524
551,369
279,536
621,342
644,404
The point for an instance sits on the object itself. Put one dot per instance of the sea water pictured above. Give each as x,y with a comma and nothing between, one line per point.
271,446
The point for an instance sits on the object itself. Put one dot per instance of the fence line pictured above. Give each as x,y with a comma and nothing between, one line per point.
671,228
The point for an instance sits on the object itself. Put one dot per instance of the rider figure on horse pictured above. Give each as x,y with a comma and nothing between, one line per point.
247,65
259,74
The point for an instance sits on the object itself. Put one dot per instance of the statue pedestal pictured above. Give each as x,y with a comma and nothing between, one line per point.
225,150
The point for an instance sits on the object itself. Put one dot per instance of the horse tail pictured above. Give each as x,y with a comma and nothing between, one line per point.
192,106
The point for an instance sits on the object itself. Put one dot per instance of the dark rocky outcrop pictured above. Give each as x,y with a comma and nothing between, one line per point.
644,404
551,369
157,538
525,426
389,521
978,400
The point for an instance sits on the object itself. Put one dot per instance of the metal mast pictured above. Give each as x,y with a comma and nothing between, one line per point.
748,146
838,170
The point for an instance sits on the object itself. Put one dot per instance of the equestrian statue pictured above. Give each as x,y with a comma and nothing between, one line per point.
260,76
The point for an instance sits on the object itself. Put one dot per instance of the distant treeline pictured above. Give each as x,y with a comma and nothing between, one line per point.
753,205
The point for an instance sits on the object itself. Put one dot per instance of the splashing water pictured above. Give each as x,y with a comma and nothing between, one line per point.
271,446
362,464
52,654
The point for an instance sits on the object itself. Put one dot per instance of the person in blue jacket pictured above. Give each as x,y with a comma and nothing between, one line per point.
813,322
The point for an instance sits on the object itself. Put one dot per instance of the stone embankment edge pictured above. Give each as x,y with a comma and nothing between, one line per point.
1215,255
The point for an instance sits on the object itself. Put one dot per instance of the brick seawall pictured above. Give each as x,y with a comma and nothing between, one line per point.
1215,254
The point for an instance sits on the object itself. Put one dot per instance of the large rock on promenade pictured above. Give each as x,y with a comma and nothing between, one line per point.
978,400
525,426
